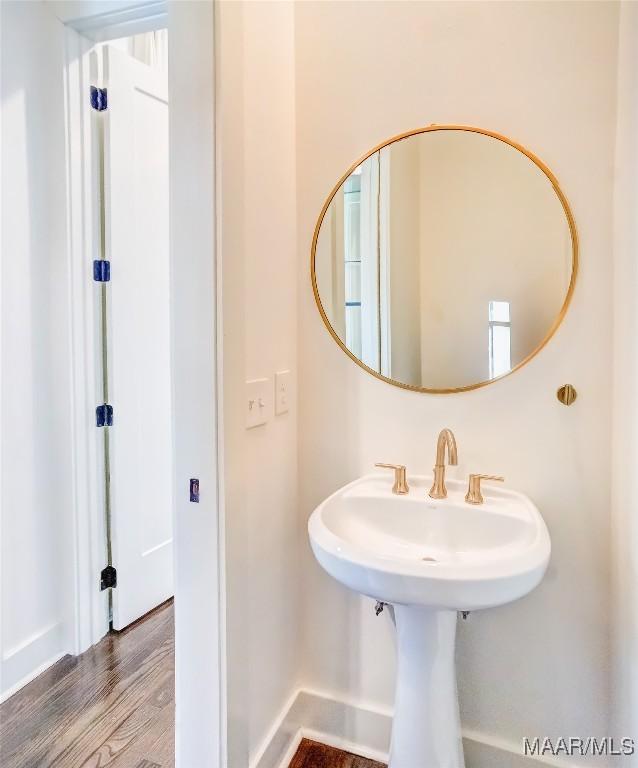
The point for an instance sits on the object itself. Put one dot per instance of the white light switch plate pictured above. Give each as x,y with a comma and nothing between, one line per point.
282,392
258,402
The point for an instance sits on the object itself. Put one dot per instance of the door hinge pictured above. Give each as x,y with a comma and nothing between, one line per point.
99,100
108,578
101,271
104,415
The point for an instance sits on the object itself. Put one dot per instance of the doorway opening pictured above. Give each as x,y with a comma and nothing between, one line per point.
123,671
126,341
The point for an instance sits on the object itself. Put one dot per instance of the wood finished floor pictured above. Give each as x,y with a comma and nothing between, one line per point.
112,706
311,754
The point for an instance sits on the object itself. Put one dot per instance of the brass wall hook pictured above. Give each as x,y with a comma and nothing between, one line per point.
566,394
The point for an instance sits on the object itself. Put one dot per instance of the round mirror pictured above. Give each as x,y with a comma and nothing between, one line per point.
444,259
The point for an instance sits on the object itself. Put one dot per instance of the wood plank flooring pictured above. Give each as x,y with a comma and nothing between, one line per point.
112,706
311,754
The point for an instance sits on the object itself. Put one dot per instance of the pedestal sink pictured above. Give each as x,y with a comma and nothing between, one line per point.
429,558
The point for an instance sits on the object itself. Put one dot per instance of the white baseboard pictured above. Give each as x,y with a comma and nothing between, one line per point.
365,730
30,658
282,739
292,750
30,676
486,751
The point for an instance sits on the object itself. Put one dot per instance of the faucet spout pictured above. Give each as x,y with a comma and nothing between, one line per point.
445,441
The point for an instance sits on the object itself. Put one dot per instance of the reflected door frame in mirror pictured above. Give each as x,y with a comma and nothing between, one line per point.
568,295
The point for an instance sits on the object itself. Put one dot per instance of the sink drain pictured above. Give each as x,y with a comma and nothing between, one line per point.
429,559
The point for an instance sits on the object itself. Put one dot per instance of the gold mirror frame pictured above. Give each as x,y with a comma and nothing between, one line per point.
572,228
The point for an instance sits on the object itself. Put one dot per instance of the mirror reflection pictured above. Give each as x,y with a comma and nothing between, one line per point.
444,260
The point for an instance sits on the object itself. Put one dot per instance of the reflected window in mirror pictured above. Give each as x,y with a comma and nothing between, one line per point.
352,260
360,262
500,338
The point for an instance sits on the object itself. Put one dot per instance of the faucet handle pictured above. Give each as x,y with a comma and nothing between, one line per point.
474,495
400,486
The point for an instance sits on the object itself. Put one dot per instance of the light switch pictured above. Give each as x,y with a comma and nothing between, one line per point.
258,402
282,392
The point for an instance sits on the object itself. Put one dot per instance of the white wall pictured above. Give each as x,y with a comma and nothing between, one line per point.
37,589
259,282
545,75
198,571
625,392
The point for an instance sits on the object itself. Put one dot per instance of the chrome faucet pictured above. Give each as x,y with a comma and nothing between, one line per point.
446,439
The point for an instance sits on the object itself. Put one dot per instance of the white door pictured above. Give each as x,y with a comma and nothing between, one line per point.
137,245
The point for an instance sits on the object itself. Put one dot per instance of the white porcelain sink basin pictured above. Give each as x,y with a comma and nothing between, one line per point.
429,558
414,550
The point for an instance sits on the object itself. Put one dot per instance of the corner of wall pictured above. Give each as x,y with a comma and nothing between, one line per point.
624,541
258,252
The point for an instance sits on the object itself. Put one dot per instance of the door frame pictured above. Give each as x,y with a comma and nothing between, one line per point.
198,530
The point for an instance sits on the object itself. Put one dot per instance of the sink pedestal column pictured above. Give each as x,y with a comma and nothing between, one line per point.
426,730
